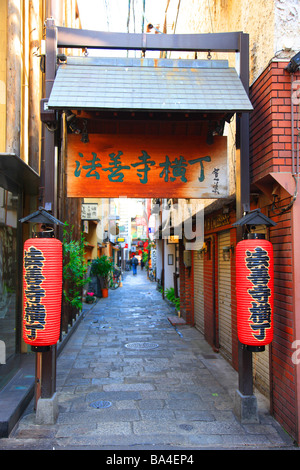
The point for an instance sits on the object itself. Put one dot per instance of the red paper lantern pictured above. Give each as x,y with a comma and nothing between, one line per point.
42,279
254,290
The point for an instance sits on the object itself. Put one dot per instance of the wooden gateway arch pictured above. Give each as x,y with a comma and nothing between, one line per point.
149,127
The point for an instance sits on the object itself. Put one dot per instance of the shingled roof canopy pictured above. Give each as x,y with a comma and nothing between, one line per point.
148,85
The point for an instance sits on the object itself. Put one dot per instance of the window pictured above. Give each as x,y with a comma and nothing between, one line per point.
8,272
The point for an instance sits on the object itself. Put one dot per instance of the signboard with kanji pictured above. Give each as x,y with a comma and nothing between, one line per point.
89,211
147,166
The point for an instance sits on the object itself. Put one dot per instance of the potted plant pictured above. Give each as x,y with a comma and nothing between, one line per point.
90,298
102,267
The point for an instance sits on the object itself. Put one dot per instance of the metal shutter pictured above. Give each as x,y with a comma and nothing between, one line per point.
198,292
224,276
261,371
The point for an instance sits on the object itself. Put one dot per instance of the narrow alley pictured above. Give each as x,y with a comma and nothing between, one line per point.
129,379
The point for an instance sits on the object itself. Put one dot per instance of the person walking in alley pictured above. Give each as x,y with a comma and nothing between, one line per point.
135,262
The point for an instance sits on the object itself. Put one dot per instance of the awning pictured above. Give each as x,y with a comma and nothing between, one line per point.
14,172
148,85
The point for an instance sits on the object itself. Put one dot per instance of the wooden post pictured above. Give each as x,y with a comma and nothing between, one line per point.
48,370
243,202
34,86
49,141
245,400
38,377
13,77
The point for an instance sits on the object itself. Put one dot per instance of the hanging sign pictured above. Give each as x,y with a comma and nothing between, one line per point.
89,211
147,166
254,292
42,283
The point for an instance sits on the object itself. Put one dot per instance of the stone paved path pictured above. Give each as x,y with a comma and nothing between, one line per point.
128,379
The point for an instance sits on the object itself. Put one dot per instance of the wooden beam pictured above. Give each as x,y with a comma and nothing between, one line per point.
215,42
48,372
13,78
243,203
34,83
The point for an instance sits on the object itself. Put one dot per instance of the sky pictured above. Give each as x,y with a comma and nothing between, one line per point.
111,15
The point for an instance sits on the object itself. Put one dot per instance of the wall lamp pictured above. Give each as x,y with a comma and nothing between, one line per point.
294,64
72,122
202,251
227,250
85,135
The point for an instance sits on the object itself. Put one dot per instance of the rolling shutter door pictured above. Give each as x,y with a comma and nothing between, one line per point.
261,371
198,293
224,276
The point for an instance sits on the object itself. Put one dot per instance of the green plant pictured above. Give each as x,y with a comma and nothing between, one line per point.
102,267
170,295
74,268
90,297
177,304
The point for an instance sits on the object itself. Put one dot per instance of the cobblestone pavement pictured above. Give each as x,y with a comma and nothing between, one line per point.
128,379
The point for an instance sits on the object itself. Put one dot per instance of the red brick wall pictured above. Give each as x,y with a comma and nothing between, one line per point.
270,151
282,368
270,122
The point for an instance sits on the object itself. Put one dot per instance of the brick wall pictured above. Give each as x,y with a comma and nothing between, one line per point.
270,151
282,368
270,122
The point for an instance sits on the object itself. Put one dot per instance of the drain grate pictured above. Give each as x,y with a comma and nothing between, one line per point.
186,427
141,345
100,404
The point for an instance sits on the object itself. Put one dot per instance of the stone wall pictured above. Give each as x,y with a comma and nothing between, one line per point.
273,25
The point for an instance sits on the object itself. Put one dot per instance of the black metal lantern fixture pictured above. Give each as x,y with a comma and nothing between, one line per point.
42,280
254,284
